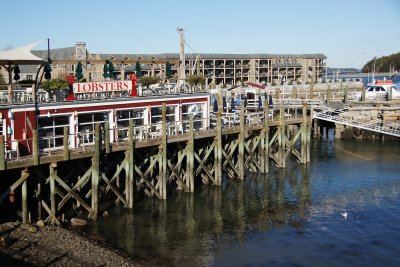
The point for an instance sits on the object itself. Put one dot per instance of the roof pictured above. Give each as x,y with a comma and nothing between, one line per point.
19,56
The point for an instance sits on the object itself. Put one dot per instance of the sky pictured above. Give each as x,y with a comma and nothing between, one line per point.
348,32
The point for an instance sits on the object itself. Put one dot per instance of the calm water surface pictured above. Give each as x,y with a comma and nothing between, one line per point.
290,217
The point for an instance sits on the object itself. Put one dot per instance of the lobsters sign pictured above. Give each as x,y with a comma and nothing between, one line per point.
102,87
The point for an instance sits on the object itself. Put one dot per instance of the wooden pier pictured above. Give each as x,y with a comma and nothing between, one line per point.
52,186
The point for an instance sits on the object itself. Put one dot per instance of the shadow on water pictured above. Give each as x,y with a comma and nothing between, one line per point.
291,216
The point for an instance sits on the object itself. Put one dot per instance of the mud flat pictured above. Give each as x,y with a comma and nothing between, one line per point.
33,245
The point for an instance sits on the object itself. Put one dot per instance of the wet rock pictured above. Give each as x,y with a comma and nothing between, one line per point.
78,222
105,213
40,223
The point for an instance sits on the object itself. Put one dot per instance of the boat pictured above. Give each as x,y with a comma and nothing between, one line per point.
380,90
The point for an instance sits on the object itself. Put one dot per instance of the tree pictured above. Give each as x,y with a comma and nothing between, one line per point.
383,64
148,80
195,80
55,84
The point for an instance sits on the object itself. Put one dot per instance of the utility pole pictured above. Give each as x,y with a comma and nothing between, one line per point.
181,75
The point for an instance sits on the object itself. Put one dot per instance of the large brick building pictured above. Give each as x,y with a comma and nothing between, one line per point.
227,69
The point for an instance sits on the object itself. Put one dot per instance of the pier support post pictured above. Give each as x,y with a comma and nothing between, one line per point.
190,157
2,153
218,150
163,163
107,137
53,204
96,174
131,166
35,147
65,143
266,137
328,94
241,144
304,134
281,138
25,212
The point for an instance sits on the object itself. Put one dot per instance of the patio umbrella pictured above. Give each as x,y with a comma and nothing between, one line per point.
245,101
105,70
138,69
16,73
168,72
215,105
270,100
232,104
110,69
78,71
47,71
259,102
224,103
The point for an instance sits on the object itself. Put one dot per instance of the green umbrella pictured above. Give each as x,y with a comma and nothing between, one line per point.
138,69
16,73
78,71
168,72
47,71
105,70
110,69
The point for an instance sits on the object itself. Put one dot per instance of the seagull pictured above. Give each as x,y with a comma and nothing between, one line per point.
344,214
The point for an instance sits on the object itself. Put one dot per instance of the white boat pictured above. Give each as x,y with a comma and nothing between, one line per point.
380,89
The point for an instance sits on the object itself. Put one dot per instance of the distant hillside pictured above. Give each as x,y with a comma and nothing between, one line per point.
383,64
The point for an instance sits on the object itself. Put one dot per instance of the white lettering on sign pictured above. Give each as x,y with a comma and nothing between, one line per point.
98,87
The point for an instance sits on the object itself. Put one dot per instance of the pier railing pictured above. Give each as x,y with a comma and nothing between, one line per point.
84,141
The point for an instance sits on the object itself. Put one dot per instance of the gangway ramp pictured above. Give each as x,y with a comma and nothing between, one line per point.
344,117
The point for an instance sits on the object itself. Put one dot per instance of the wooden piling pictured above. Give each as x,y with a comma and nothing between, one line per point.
65,143
96,174
190,157
2,153
35,147
304,134
328,94
241,144
281,140
266,140
107,137
53,204
218,150
131,166
163,167
24,195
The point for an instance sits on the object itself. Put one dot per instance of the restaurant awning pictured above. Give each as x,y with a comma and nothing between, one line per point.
20,56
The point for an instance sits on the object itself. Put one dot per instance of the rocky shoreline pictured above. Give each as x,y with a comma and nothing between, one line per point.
47,245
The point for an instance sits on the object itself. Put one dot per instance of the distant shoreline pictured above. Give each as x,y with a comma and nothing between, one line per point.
361,75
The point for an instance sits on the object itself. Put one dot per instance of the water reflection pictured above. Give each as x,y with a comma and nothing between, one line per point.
288,217
188,228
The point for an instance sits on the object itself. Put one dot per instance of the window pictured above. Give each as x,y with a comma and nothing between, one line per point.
51,131
87,124
123,118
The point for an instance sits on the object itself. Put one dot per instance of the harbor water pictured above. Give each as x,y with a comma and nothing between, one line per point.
342,209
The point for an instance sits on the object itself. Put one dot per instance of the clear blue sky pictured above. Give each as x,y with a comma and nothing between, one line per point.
348,32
